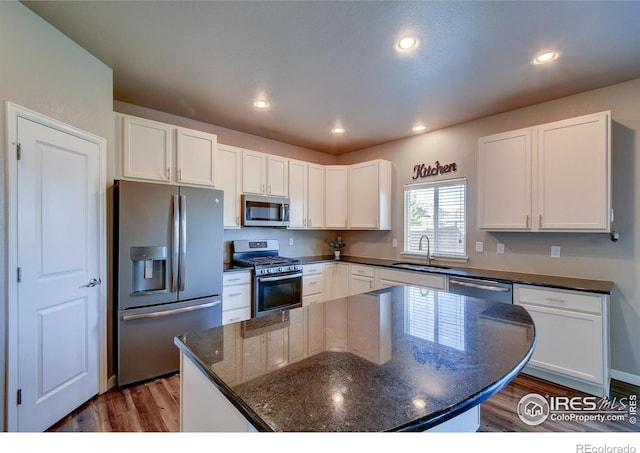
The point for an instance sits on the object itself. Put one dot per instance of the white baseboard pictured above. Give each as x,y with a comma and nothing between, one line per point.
629,378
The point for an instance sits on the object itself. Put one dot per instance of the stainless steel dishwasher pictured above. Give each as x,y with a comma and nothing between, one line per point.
482,289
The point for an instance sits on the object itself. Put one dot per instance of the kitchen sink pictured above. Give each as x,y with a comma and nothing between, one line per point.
420,267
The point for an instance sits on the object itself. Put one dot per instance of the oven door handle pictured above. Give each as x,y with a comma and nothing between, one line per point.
281,277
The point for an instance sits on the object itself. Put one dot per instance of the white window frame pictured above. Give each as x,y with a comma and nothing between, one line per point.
463,257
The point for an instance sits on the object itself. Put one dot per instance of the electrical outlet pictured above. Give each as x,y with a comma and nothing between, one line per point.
290,241
555,251
500,249
394,243
479,246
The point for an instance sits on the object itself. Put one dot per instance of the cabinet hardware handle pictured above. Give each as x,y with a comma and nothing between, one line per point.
168,173
527,221
233,279
233,319
313,283
234,294
269,188
540,220
553,299
309,223
180,174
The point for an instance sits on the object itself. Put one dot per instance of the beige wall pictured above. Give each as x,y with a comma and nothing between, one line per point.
582,255
44,71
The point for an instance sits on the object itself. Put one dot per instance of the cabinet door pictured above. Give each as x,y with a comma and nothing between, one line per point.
315,196
574,165
363,195
254,172
277,348
146,149
297,194
504,181
315,328
567,342
360,284
277,176
336,281
196,157
336,196
254,359
228,177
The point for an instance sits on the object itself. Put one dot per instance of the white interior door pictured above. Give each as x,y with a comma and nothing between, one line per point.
57,328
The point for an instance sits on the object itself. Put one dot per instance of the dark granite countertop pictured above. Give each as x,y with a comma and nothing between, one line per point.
551,281
396,359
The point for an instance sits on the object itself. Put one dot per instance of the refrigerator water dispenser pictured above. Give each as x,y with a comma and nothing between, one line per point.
149,270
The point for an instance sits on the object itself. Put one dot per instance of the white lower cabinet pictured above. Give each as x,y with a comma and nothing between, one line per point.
362,279
236,297
389,277
336,281
572,337
312,283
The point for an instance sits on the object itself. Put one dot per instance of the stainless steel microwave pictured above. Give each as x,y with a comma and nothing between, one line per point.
264,211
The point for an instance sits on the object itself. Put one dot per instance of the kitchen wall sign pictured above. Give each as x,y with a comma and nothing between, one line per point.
424,171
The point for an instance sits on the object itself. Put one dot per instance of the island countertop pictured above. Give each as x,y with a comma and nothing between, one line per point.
397,359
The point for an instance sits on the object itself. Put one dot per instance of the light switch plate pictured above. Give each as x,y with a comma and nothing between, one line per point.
290,241
394,242
500,249
555,251
479,246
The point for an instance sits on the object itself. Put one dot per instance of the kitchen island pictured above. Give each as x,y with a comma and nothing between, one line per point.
398,359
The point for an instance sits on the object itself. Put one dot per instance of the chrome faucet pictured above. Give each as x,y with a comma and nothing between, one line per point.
429,258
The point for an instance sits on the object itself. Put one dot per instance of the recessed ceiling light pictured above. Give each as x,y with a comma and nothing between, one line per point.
261,104
545,57
407,43
419,128
337,130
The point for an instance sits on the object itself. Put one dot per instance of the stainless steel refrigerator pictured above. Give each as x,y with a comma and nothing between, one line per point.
168,257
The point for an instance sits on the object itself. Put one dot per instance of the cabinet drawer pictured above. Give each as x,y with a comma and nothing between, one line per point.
237,315
236,296
365,271
312,284
312,299
413,278
313,269
236,278
559,299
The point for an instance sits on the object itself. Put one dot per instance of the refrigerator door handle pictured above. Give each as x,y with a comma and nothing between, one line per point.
176,311
183,242
175,235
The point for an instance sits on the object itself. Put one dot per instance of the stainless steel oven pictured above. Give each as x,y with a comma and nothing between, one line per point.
274,293
277,280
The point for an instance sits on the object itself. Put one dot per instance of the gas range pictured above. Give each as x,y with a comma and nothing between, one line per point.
277,280
263,257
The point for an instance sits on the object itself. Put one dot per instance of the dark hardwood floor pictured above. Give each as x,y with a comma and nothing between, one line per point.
154,407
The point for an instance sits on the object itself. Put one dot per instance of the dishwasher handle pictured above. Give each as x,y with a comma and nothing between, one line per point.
496,287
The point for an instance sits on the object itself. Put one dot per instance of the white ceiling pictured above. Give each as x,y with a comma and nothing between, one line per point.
328,63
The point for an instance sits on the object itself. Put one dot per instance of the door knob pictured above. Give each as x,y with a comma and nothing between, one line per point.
94,282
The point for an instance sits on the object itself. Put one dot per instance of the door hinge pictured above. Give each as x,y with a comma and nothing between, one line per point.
19,275
19,151
19,397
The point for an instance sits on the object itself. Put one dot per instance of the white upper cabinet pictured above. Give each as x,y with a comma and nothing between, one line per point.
264,174
147,149
161,152
504,184
552,177
196,157
254,172
370,195
228,179
306,195
574,174
336,196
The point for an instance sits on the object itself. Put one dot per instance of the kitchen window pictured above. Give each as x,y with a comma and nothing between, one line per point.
437,212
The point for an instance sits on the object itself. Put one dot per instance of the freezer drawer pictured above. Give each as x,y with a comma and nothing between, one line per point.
145,336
